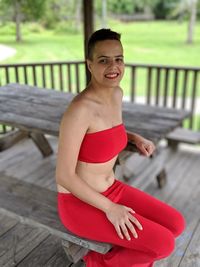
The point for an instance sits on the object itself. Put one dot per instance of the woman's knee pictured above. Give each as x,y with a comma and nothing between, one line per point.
167,244
178,224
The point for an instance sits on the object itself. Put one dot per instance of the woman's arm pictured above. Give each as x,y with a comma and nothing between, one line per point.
145,146
73,127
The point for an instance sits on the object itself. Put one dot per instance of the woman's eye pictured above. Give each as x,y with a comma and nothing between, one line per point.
119,60
103,61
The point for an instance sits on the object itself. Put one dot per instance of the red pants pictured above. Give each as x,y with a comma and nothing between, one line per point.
161,224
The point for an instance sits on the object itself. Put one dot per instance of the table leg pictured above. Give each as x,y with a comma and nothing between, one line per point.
12,138
42,143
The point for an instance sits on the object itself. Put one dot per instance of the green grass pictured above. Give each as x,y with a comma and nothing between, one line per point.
160,43
144,42
45,46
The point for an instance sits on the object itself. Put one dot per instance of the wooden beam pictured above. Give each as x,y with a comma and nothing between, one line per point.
88,21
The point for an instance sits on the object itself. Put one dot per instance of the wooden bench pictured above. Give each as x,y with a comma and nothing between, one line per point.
182,135
37,206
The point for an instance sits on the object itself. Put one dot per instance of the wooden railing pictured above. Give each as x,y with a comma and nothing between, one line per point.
67,76
170,86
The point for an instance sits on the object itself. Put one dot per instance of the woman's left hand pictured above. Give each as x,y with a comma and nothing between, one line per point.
145,146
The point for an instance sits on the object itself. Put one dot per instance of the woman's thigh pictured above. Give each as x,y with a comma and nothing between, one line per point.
89,222
153,209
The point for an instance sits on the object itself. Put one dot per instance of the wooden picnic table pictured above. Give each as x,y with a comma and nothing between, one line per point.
37,112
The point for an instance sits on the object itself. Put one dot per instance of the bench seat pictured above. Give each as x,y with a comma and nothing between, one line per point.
38,206
182,135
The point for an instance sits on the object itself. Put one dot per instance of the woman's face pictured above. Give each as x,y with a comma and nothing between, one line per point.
107,64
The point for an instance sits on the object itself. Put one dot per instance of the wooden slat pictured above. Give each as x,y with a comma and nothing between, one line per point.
184,135
43,254
40,111
17,243
192,255
6,223
149,85
39,205
182,192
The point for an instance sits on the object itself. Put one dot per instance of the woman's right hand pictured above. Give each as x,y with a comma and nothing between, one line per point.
123,220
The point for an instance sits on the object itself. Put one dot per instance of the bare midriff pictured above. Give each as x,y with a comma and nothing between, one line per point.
99,176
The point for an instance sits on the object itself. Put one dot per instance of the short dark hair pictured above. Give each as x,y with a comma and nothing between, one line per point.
101,35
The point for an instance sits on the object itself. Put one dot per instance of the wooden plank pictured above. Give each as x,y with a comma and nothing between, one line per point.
192,255
42,254
44,111
11,138
35,125
6,223
184,135
188,189
59,259
154,111
35,94
39,205
74,252
18,243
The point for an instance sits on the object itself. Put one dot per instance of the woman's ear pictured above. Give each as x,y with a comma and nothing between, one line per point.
89,63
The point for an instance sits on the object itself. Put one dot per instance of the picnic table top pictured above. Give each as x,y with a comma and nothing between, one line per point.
40,110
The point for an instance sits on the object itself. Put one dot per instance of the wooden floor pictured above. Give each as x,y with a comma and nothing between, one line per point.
24,245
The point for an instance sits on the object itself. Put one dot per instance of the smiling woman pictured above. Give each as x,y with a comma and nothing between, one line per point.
92,135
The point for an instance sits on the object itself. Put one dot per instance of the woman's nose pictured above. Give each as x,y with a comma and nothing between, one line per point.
112,63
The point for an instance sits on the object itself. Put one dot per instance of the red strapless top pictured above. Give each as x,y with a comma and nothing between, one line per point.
102,146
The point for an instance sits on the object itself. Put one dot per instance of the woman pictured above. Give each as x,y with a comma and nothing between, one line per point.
141,228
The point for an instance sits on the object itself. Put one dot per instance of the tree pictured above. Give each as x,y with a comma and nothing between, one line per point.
23,10
188,8
192,20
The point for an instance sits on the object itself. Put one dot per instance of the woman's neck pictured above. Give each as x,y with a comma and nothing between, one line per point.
105,94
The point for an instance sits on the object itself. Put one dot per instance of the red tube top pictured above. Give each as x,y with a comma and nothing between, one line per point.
102,146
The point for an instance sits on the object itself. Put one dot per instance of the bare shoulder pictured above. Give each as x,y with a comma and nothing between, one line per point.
119,92
77,113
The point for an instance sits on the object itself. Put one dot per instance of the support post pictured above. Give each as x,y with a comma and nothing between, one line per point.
88,22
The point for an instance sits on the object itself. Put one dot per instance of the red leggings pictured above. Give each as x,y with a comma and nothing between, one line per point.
161,224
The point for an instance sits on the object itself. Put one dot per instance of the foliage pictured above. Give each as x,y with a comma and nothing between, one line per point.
31,10
163,9
59,11
7,29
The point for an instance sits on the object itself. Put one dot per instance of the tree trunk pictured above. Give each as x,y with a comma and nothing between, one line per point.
18,21
192,20
78,17
104,13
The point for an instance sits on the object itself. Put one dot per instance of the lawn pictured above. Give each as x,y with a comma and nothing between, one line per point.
144,42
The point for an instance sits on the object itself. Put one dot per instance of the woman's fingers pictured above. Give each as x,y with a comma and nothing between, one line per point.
127,227
118,229
123,220
125,231
135,221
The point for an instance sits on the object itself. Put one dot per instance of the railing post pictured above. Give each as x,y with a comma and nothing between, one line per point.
88,29
133,82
